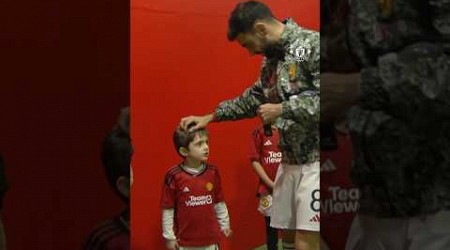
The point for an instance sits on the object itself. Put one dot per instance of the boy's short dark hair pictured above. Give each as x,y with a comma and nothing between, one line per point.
116,156
244,16
123,121
182,138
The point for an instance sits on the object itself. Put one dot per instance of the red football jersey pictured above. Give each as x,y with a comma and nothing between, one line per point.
111,235
339,198
264,149
193,197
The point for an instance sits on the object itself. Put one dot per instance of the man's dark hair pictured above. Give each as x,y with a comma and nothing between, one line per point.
182,138
116,156
244,16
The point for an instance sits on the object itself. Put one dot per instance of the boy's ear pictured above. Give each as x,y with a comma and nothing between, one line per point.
183,151
123,185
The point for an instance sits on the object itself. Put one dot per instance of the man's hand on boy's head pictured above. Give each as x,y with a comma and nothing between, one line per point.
199,121
172,244
227,232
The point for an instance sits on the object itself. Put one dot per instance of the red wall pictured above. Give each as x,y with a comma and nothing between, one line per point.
65,74
182,64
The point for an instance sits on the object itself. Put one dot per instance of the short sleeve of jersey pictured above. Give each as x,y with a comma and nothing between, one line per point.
168,192
255,146
218,194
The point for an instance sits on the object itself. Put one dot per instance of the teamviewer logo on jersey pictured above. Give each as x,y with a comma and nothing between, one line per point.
199,200
267,143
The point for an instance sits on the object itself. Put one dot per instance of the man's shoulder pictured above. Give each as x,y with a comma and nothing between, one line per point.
300,42
297,31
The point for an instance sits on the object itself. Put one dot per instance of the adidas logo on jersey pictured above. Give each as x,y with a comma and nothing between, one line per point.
328,166
267,143
186,190
315,218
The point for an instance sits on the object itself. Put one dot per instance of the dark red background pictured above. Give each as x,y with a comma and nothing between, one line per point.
64,76
182,64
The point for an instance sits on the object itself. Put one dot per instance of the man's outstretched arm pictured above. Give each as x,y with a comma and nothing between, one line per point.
241,107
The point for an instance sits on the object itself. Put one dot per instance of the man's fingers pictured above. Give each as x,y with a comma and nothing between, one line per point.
197,122
197,126
182,122
186,121
259,110
264,117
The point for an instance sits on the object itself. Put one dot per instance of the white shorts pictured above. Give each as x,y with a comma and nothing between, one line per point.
354,235
427,232
296,197
212,247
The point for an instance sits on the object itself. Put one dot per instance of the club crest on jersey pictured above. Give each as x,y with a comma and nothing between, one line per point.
265,202
300,50
209,186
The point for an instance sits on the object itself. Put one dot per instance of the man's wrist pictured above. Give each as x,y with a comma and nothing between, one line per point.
285,110
354,80
212,117
279,108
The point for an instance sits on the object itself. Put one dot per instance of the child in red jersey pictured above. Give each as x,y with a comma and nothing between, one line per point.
194,214
116,155
3,189
339,197
265,157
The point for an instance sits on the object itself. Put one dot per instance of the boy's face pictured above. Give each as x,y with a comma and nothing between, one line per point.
199,148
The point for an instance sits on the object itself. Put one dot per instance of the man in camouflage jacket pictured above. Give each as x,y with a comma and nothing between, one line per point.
287,94
400,128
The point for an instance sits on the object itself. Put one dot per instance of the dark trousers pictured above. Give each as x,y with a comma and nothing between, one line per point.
271,236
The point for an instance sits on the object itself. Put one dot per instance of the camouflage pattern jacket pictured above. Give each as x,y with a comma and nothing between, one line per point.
293,80
401,128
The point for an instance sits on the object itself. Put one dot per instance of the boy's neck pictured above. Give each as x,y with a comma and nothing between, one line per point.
192,163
